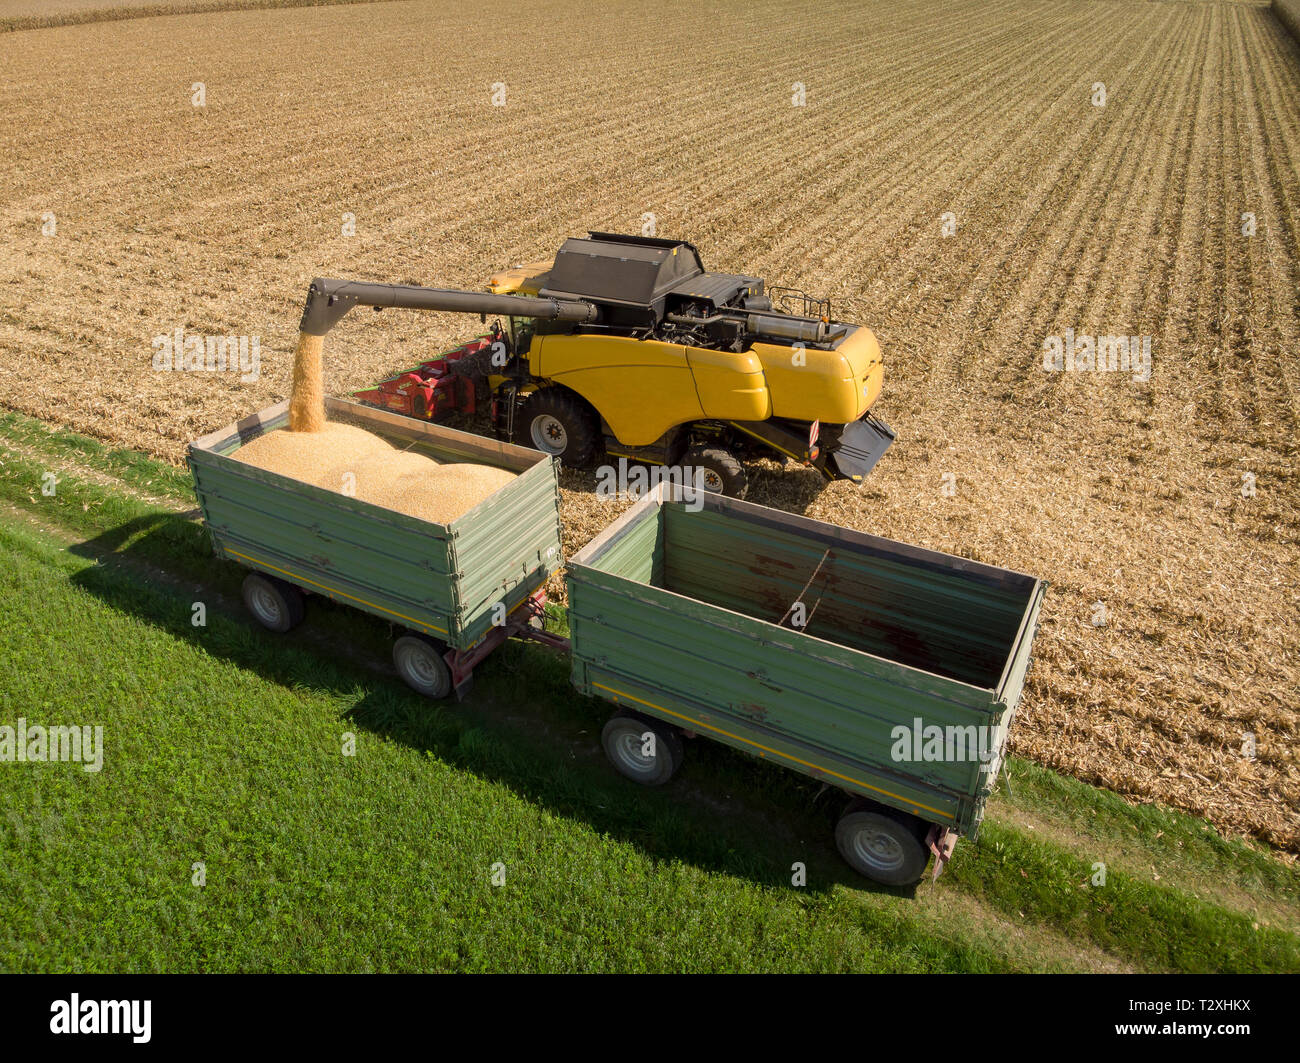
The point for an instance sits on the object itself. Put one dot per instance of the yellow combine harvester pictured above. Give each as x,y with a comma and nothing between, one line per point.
624,346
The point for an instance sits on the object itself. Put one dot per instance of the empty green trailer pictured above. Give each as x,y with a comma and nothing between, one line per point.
889,671
451,586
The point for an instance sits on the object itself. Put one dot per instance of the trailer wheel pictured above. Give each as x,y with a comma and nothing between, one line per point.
419,662
644,749
722,474
275,604
561,423
886,847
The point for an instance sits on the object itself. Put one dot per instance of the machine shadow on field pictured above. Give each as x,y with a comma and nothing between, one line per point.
522,725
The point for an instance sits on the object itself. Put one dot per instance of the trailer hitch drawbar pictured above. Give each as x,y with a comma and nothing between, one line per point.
941,841
519,624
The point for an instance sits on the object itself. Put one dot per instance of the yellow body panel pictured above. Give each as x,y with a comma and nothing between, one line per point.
731,386
834,386
644,387
641,387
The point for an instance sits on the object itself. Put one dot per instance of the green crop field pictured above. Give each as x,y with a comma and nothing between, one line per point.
284,803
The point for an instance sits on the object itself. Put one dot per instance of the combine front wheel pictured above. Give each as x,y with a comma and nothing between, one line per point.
559,422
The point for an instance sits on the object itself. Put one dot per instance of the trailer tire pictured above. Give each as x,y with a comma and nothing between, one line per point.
561,423
723,473
419,661
882,845
276,605
624,739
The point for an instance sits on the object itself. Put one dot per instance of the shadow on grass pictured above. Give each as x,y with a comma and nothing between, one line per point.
522,725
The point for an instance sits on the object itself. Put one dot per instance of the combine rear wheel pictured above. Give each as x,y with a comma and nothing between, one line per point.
717,471
559,422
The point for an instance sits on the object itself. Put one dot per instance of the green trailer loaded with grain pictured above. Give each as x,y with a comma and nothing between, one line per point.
454,588
888,671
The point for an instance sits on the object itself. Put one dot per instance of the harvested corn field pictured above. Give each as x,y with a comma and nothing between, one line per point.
40,14
980,183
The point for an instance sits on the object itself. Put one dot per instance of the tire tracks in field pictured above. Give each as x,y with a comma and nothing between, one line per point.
1279,373
1213,287
1195,260
68,464
1053,208
1244,337
1156,293
1134,285
1092,211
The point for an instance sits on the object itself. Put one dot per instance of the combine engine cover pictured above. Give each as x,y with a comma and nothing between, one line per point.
659,289
631,275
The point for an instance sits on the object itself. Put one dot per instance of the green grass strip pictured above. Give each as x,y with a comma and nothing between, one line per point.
226,749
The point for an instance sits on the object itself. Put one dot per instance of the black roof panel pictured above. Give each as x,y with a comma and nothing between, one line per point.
630,270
